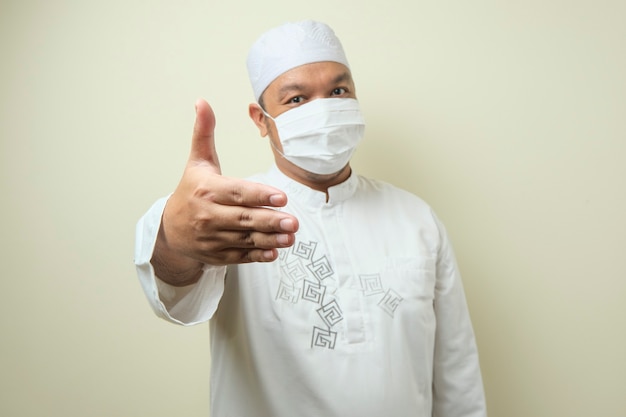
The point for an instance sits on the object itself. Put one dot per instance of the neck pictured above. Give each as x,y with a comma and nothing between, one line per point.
317,182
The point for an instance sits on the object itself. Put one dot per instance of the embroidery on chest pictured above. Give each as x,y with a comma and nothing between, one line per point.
308,280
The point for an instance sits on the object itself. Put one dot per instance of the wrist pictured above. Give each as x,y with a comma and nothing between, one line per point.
172,267
178,272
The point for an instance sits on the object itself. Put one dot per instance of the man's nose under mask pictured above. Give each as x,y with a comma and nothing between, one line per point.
320,136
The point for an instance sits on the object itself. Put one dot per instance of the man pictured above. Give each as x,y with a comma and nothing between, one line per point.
328,294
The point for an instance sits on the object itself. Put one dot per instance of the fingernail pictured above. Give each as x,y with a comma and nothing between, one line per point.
277,200
286,225
268,255
282,239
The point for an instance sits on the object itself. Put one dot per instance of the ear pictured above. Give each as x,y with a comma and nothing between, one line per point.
258,117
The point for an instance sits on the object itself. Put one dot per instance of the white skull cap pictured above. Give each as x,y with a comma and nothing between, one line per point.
288,46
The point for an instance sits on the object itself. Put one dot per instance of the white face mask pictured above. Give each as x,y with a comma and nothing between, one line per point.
320,136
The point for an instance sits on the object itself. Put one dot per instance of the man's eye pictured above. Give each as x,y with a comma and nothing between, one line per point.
296,100
338,91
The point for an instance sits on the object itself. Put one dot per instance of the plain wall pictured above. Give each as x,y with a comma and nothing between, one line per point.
507,117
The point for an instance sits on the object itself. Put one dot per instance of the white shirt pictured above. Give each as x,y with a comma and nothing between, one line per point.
364,316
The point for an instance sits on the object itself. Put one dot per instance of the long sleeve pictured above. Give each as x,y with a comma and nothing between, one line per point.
187,305
457,382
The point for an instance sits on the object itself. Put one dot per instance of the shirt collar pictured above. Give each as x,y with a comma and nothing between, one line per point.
310,197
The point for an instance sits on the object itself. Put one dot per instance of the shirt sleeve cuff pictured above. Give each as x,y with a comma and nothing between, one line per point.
188,305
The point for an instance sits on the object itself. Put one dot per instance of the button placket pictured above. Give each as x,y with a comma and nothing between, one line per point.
348,294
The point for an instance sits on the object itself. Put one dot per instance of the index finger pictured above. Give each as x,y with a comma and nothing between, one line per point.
238,192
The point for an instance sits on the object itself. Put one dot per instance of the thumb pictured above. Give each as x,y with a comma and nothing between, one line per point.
203,139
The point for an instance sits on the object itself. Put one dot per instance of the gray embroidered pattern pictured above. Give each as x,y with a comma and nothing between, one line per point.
288,292
323,338
390,302
309,276
295,270
321,268
313,291
304,250
331,313
371,284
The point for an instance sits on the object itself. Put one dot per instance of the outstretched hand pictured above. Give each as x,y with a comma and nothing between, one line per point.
217,220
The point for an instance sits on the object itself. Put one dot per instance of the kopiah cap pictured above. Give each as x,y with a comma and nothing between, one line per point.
289,46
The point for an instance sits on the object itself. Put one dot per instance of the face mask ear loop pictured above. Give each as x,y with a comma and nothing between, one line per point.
276,149
267,114
271,141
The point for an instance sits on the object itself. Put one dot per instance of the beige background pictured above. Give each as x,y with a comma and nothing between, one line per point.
507,117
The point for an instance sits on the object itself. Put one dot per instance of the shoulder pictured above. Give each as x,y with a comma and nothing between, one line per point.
383,191
397,209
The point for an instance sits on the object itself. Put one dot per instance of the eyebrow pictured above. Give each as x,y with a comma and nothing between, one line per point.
287,88
342,77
